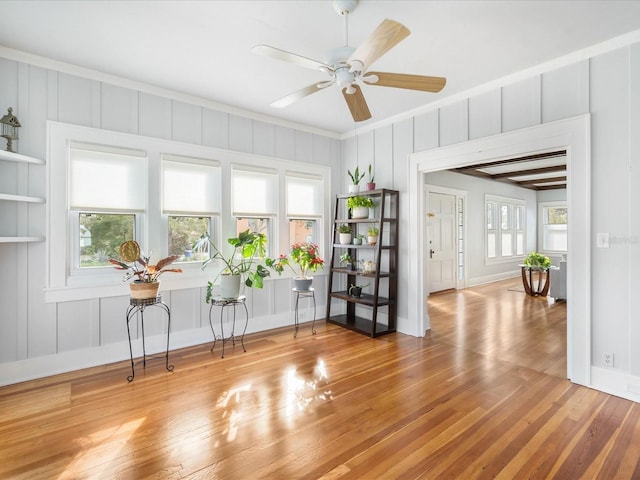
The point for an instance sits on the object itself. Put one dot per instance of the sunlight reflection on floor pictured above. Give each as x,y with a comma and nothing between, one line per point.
301,392
100,448
232,415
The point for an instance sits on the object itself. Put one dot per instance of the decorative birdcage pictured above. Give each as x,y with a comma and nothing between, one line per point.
10,125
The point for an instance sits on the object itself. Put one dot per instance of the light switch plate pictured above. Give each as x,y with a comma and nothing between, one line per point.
602,240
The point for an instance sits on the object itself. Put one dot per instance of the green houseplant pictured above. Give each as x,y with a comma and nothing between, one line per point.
372,235
356,176
137,265
371,184
356,290
359,206
537,260
243,261
344,234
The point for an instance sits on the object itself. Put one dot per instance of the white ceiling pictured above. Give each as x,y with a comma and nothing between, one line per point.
203,48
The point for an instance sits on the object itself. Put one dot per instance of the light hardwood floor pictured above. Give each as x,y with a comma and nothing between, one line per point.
473,399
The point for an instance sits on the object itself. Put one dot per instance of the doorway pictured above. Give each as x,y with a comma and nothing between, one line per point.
574,136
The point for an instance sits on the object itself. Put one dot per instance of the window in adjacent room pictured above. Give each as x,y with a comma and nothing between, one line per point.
554,217
505,221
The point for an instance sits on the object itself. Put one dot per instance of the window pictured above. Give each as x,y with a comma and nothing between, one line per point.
254,199
103,206
505,228
101,235
304,206
184,232
303,231
191,201
554,217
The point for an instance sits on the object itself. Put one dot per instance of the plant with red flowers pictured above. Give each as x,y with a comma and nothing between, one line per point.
305,255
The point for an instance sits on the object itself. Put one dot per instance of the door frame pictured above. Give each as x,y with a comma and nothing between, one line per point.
574,135
459,194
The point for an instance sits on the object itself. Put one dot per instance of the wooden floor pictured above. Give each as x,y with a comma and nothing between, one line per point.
473,399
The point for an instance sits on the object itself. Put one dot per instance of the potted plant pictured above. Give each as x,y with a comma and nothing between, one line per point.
372,235
248,248
344,234
356,176
136,264
346,259
359,206
357,239
371,184
306,256
537,260
356,290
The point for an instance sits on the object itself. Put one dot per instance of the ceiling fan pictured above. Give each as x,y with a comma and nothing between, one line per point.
347,66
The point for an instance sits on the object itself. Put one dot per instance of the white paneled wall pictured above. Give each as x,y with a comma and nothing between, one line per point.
38,338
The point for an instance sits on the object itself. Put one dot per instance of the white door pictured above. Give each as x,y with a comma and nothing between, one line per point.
441,241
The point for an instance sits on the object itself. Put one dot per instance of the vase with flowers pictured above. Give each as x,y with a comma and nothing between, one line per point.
306,256
136,264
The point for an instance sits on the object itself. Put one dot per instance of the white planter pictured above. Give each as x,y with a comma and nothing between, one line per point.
354,188
360,212
345,238
229,286
372,239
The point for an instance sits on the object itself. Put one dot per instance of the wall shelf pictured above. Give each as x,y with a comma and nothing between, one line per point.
19,158
9,197
21,239
20,198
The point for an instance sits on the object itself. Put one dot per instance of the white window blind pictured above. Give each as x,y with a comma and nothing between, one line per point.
253,192
304,195
190,187
107,180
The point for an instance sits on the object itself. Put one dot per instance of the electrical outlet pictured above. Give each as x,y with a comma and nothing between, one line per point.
607,359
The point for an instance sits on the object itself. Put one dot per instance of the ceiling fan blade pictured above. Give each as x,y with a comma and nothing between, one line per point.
401,80
388,34
295,96
283,55
357,104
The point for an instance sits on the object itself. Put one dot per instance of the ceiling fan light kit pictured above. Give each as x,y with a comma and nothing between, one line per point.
347,66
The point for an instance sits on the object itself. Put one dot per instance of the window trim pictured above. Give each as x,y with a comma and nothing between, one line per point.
153,229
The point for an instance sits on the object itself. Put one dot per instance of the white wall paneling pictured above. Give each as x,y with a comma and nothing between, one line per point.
634,202
565,92
454,123
186,123
521,104
154,117
485,117
610,144
426,132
